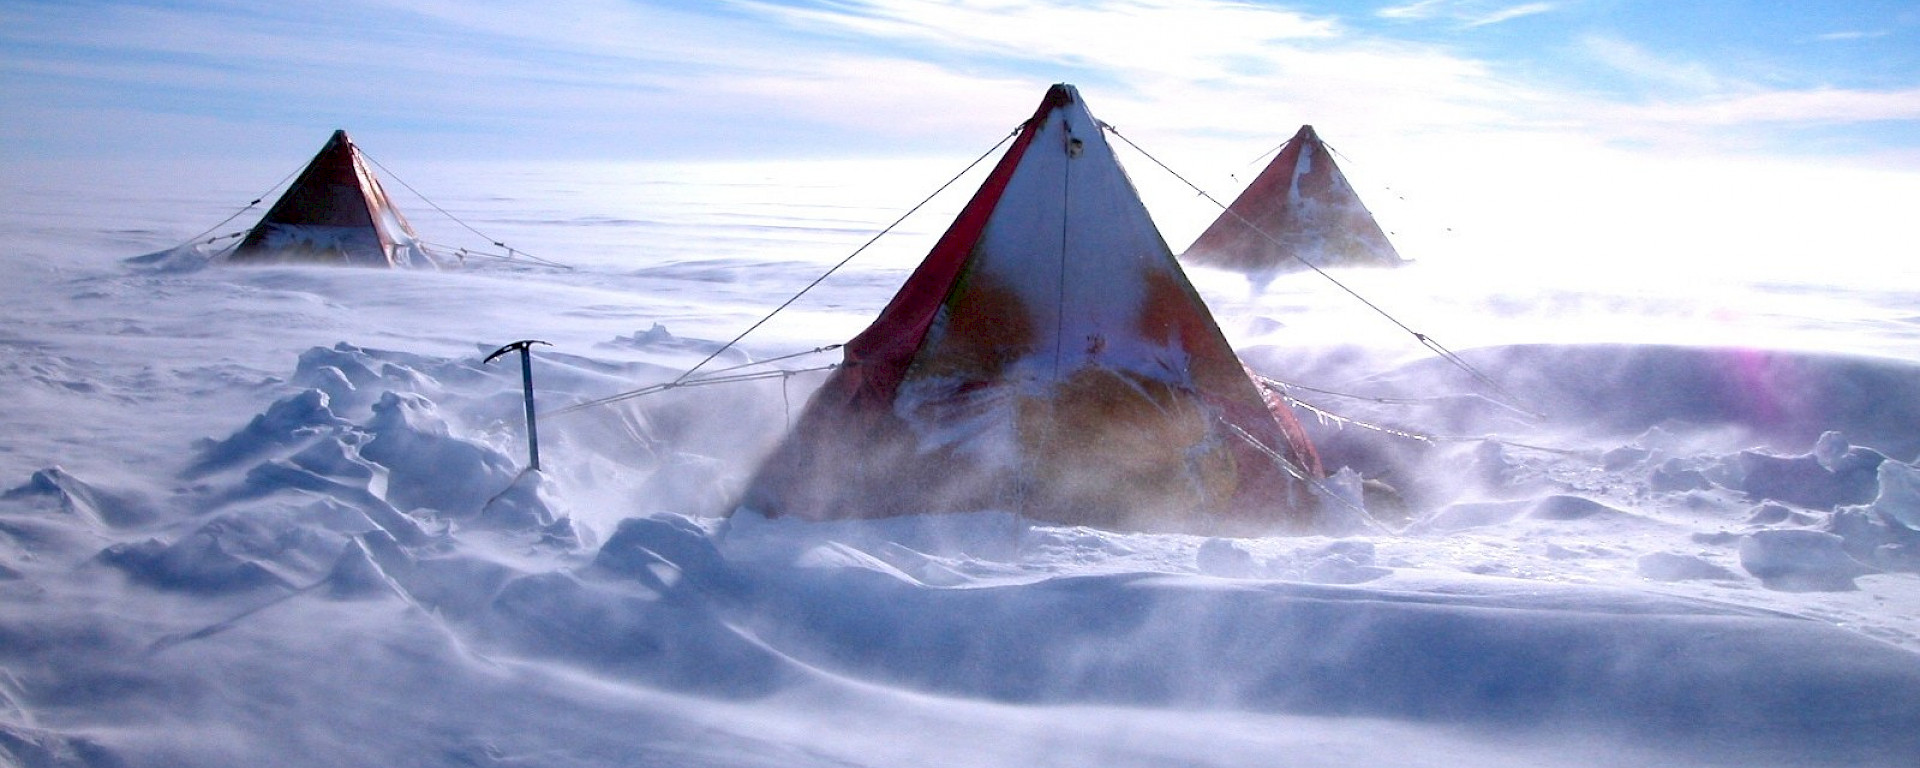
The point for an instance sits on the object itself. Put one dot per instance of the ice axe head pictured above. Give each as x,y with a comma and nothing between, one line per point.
523,345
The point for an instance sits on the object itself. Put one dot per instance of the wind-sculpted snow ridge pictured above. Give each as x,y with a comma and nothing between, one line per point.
353,496
1477,652
1802,465
360,573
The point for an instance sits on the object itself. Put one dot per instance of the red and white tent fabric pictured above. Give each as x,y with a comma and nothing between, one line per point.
1299,210
1048,358
336,213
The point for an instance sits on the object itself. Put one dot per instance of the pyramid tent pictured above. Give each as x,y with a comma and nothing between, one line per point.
1048,358
335,212
1299,208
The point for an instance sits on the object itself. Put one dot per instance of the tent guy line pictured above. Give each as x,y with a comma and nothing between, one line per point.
681,381
1427,341
335,212
1359,511
1291,385
313,220
1277,148
243,209
1280,388
1373,172
984,384
1092,355
511,251
712,377
1303,196
850,257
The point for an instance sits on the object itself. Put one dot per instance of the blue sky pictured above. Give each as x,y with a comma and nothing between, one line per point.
633,79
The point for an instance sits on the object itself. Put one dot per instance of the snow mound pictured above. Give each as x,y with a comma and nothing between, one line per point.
73,496
226,550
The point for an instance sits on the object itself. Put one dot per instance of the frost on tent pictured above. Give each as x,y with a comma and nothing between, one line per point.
1048,358
1300,211
335,213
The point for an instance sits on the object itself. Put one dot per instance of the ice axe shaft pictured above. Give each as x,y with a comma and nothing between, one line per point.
526,385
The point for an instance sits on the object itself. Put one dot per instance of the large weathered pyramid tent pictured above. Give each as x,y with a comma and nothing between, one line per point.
1049,358
335,212
1299,210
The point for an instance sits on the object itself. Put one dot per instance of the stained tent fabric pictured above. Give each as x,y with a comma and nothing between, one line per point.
1049,358
336,213
1299,210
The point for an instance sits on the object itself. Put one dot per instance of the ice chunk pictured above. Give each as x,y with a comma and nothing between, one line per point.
1800,561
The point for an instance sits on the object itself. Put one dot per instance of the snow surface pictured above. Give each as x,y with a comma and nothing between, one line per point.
277,516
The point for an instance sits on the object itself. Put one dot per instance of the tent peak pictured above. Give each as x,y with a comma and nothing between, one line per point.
1049,358
1058,96
334,212
1299,212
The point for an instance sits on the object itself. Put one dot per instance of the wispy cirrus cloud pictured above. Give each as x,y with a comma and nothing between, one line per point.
1429,93
1813,106
595,78
1157,35
1422,9
1223,64
1508,13
1852,34
772,77
1466,13
1646,66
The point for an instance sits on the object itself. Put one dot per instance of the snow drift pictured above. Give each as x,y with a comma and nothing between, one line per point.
277,516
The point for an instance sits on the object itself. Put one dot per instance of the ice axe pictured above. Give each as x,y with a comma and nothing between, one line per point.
526,384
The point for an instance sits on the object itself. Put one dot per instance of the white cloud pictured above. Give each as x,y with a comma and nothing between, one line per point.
1468,13
1423,9
1700,100
1817,106
1508,14
1228,65
595,77
1165,36
1631,59
1851,35
1205,86
1200,80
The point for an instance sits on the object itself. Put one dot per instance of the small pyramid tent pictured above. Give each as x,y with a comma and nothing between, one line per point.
1299,209
335,212
1049,358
